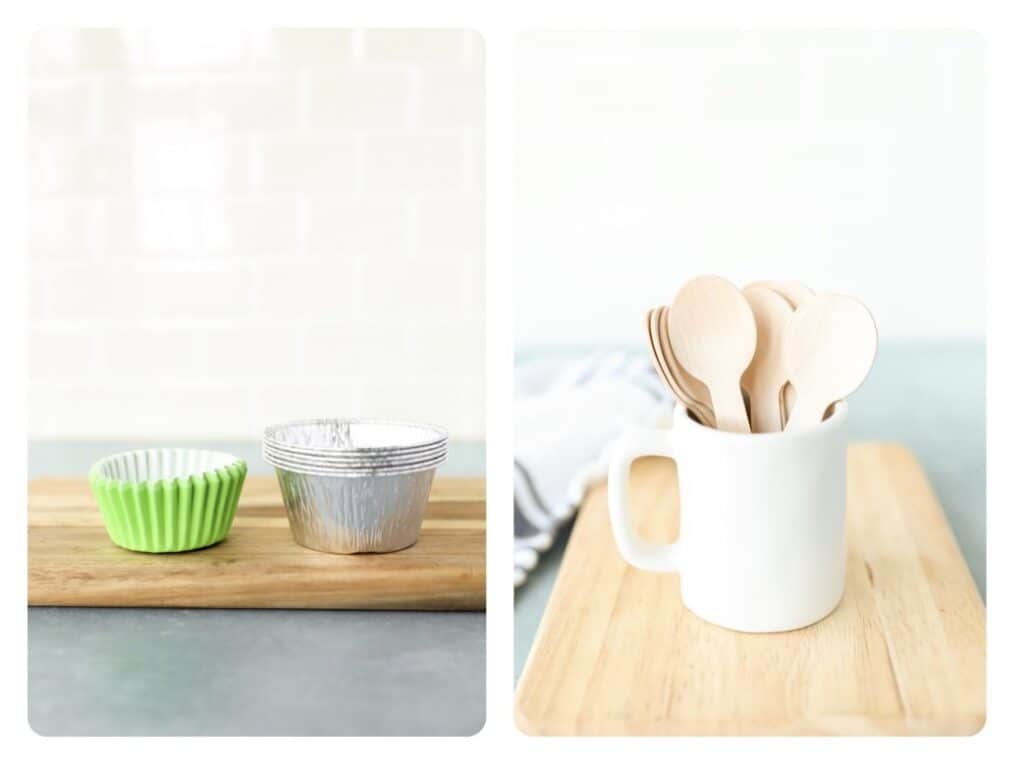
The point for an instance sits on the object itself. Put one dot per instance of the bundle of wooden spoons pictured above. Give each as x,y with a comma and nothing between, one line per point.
772,357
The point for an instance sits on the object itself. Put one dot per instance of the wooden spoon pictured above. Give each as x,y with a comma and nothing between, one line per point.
713,336
828,349
693,387
765,376
655,356
795,293
662,363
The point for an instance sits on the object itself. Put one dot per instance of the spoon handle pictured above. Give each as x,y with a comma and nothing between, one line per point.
765,409
805,414
786,401
730,413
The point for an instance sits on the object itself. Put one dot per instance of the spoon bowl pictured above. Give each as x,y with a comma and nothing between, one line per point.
795,293
828,349
713,336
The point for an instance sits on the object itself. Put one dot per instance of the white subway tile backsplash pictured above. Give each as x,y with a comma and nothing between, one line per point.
263,350
63,50
193,293
474,49
314,398
367,344
418,289
38,300
472,289
161,410
194,48
415,46
147,103
207,208
71,292
264,104
456,404
78,166
450,97
308,164
188,162
254,227
150,227
62,353
451,225
40,417
65,230
473,161
60,108
420,356
414,164
359,98
359,228
318,290
169,352
156,353
302,47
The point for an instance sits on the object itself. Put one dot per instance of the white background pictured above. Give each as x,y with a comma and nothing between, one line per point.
499,748
849,160
230,229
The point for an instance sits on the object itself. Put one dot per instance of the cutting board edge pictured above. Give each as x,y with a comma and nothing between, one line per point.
966,724
474,604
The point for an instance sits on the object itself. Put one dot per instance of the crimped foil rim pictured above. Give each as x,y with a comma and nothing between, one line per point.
441,433
226,462
376,471
287,461
356,471
358,461
349,455
296,468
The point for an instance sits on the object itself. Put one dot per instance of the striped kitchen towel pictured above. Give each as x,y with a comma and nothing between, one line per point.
567,414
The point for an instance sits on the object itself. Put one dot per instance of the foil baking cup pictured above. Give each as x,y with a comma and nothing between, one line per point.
352,514
352,485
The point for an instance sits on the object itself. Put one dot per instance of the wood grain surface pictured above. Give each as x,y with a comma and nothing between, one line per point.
72,561
904,653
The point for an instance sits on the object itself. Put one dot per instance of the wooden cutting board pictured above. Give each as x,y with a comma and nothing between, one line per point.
72,562
617,654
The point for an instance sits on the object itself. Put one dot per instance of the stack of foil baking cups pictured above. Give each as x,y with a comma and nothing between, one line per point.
353,485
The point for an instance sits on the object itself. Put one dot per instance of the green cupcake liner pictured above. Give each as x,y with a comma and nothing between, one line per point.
168,500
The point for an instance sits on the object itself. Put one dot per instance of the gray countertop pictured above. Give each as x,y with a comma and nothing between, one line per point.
117,671
929,396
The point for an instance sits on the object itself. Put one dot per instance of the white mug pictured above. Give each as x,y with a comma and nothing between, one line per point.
762,545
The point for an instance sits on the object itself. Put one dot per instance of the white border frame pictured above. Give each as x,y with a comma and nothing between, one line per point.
499,744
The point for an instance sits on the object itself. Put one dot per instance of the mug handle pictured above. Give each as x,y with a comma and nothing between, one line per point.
635,550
